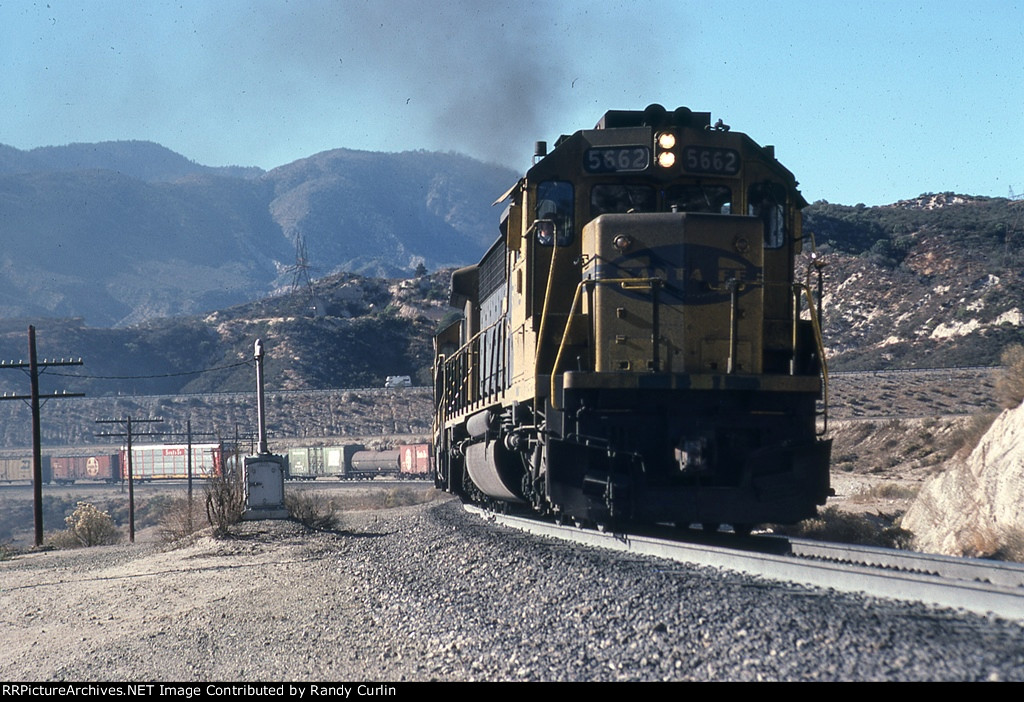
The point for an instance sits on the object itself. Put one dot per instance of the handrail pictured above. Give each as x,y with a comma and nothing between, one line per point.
819,342
627,283
460,356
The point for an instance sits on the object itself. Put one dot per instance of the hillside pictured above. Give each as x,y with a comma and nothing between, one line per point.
113,249
364,329
141,160
382,214
194,367
929,282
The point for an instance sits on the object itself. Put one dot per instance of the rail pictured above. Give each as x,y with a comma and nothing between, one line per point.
978,586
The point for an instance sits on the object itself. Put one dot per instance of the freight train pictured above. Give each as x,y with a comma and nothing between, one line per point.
169,461
638,345
354,462
149,462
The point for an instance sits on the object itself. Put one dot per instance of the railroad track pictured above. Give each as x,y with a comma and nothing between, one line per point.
983,587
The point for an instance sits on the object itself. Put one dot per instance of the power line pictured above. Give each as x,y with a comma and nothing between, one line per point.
147,377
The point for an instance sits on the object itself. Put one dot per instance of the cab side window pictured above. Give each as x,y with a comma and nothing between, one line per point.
554,215
767,201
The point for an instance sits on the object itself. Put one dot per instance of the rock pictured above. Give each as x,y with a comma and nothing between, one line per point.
969,509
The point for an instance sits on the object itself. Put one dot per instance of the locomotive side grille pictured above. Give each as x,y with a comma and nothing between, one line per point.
492,272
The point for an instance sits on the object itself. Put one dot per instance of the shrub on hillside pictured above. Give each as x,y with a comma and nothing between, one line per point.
225,501
833,524
966,438
995,544
180,519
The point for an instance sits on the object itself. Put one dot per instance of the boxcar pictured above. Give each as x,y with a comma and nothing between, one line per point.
167,461
98,467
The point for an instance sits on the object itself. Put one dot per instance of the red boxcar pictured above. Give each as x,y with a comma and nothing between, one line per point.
414,461
69,469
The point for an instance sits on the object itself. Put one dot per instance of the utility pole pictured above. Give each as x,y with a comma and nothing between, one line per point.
33,366
261,415
241,436
127,422
263,473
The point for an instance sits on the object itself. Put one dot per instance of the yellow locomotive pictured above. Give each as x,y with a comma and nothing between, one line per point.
635,346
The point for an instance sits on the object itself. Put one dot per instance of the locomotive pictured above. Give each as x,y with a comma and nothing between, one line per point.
636,346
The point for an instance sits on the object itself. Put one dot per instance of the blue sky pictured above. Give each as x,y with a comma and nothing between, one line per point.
865,101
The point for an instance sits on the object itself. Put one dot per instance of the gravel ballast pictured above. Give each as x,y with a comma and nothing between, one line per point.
431,593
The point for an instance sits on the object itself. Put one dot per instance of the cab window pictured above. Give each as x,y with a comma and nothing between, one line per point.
619,197
716,199
767,201
554,214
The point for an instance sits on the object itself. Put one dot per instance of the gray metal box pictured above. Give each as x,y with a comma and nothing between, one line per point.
264,487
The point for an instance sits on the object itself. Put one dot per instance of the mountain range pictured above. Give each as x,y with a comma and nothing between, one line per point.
119,233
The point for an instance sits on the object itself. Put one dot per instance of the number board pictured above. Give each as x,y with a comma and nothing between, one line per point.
618,159
708,159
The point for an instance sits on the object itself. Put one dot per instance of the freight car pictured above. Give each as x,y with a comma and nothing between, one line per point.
310,463
637,345
354,462
415,461
19,468
170,461
65,468
102,467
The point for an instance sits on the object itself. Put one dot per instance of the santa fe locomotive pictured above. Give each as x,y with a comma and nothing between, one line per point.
637,346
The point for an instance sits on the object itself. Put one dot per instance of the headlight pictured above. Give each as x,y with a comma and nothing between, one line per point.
666,142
